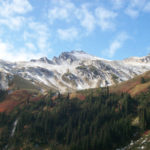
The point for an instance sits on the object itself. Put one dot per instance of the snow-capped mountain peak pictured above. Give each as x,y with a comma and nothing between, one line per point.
74,70
42,59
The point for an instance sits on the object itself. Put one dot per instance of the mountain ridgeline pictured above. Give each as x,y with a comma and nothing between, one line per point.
71,71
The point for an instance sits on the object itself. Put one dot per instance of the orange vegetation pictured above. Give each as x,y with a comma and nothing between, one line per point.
133,86
16,98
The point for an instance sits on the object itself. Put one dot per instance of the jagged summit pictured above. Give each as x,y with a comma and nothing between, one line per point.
68,58
73,57
42,59
45,60
78,51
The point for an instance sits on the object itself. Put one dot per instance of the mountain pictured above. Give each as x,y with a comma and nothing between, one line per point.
73,70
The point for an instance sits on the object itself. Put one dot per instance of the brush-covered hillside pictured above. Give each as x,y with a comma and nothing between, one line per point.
95,119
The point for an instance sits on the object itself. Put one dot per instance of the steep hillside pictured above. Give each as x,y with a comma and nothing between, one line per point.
18,99
134,86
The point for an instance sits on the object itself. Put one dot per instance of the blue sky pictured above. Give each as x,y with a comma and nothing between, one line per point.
112,29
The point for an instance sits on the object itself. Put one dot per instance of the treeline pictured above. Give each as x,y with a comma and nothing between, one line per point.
101,122
3,93
144,110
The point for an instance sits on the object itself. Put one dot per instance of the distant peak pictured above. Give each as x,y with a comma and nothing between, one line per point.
42,59
73,52
78,51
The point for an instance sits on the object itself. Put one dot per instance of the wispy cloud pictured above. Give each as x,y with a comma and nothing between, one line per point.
10,53
147,7
30,46
11,12
40,33
135,7
105,18
9,8
132,12
14,23
86,18
34,42
117,4
4,47
116,45
67,34
62,10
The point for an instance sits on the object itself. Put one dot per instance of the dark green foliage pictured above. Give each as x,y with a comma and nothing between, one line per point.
100,122
3,93
144,110
96,123
142,80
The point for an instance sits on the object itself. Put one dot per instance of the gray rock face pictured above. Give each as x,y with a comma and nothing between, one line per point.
4,80
42,60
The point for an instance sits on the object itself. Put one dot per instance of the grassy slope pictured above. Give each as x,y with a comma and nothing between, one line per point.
18,98
21,83
133,86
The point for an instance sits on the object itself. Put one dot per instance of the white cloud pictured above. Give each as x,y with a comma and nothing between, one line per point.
13,23
11,7
30,46
57,13
105,18
35,44
3,48
35,39
135,7
132,12
138,3
28,35
116,44
82,15
40,33
67,11
21,6
62,11
10,53
11,12
117,4
67,34
86,18
147,7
